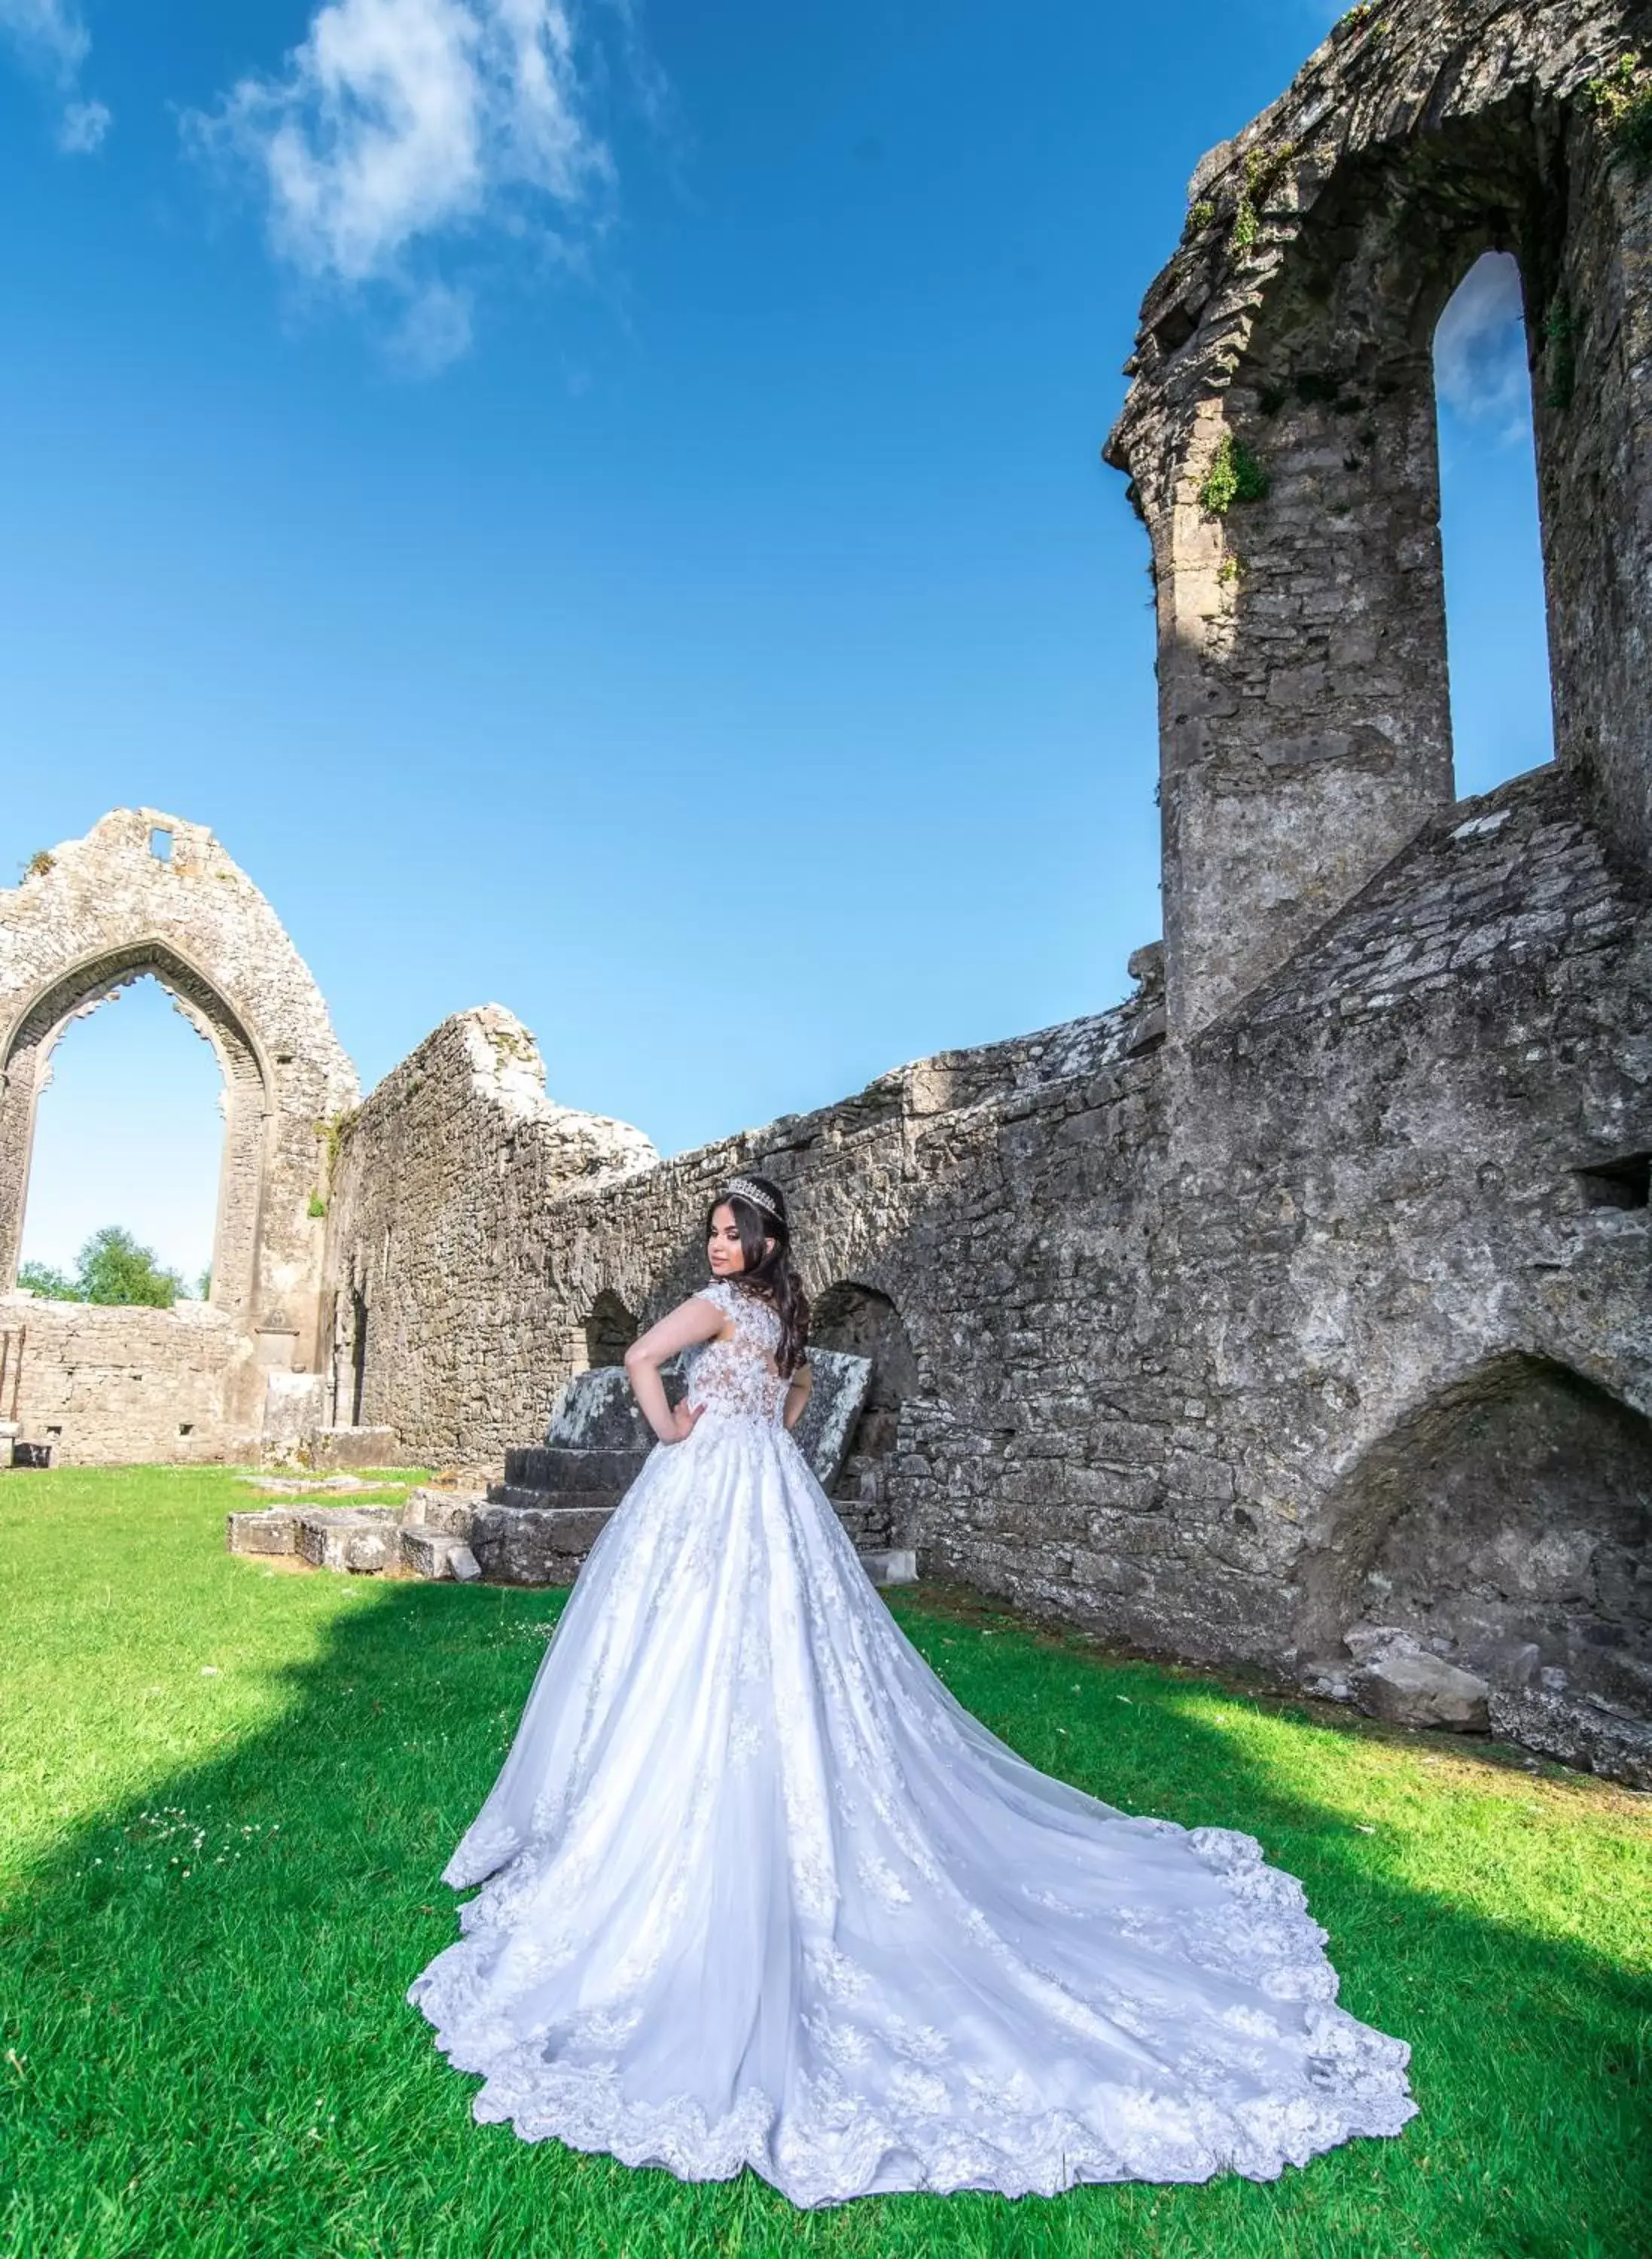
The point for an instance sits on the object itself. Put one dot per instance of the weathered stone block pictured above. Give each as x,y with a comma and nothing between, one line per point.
271,1529
1577,1732
1413,1689
437,1554
364,1540
894,1565
354,1447
530,1545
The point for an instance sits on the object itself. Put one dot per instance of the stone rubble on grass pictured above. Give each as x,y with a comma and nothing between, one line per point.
1396,1679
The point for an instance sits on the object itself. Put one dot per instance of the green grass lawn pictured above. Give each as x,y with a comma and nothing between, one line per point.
226,1793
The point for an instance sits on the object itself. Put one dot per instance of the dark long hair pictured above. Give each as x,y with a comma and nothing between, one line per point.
771,1273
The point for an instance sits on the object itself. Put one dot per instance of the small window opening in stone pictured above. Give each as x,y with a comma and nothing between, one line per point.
53,1431
161,844
1497,630
1626,1183
185,1427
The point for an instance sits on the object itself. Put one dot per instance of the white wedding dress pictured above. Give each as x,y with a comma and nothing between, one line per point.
762,1893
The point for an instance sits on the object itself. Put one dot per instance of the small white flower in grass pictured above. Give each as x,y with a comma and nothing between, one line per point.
211,1670
1363,1830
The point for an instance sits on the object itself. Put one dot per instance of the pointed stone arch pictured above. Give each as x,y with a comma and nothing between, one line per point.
145,893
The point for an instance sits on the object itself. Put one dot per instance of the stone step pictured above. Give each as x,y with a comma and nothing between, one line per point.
364,1540
270,1530
535,1544
451,1511
549,1502
438,1554
556,1468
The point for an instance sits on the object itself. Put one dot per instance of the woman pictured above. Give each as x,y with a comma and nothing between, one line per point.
763,1894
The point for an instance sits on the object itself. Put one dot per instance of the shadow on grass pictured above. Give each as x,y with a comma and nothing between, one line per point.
207,2049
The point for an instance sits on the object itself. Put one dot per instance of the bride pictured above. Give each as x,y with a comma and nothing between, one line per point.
759,1892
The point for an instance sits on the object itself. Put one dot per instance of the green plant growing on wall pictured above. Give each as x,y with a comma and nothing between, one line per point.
1623,98
1232,570
1262,170
318,1205
1235,475
1200,215
1560,352
39,863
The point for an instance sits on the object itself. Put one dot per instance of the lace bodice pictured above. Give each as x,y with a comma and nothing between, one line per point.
737,1378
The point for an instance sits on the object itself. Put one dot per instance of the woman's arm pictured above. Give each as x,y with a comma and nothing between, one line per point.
693,1321
797,1395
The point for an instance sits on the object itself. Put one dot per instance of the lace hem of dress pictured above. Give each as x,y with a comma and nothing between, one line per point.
831,2144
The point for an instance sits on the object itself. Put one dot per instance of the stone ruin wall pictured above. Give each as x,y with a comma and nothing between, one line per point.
146,893
1305,723
121,1387
1314,1290
1308,1287
1173,1310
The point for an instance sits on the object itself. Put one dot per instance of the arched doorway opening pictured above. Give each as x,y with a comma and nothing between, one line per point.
864,1322
128,1132
609,1330
237,1173
1497,625
1505,1524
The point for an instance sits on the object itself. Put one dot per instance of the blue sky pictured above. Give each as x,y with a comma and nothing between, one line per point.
629,542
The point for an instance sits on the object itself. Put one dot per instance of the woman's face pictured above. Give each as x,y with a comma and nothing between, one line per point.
723,1251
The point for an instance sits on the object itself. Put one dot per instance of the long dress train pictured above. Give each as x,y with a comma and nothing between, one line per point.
761,1891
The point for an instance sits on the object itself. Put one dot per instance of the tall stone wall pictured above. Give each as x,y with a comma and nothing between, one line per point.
1189,1325
1280,440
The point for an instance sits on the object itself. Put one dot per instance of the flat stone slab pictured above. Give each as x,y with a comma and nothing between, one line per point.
827,1427
270,1530
309,1486
1578,1732
363,1540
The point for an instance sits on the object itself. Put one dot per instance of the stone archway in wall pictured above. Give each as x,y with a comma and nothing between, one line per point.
1506,1524
143,893
859,1319
25,1070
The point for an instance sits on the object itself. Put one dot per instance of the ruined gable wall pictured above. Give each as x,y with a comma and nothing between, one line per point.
95,913
1280,438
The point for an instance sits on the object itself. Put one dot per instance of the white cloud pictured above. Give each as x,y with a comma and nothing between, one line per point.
54,41
400,126
49,31
83,126
1479,347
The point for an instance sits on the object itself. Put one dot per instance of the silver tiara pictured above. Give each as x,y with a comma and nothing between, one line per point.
743,1188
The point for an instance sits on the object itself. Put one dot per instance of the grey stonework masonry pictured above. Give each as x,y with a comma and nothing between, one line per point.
1295,1311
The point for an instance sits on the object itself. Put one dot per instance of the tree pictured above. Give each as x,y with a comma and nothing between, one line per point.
110,1268
115,1269
51,1285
